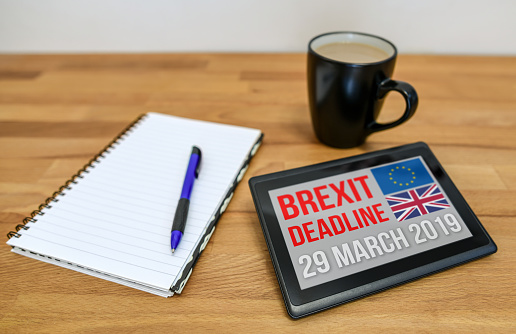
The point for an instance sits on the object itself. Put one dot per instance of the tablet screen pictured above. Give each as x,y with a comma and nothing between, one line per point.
347,223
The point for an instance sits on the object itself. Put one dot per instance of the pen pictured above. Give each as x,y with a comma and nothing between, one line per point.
192,172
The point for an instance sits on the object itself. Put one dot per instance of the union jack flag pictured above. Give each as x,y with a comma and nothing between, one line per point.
417,202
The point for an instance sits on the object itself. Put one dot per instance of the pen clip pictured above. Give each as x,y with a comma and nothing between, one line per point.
196,150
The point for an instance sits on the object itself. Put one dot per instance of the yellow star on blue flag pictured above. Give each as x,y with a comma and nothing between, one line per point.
401,175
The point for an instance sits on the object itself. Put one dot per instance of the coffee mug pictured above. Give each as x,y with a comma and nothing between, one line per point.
349,74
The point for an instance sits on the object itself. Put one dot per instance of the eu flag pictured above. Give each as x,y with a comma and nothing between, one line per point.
401,175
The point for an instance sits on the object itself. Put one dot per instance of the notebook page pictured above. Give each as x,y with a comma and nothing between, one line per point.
116,219
163,293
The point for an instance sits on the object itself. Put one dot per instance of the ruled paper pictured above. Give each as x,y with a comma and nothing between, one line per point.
115,222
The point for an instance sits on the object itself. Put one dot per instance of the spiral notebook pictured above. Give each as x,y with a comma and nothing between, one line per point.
113,218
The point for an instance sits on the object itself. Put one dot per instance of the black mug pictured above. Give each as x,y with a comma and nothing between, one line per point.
349,74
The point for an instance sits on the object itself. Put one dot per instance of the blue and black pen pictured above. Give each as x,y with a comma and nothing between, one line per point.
192,172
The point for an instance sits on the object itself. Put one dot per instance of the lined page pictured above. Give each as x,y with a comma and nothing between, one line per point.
116,219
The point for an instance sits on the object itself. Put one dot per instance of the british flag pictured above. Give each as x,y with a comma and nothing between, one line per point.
417,202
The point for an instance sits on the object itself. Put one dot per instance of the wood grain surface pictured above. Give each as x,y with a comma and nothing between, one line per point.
57,111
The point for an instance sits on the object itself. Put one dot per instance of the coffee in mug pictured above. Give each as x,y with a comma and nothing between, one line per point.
350,52
349,74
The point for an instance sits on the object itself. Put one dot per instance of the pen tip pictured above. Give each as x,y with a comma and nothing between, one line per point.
173,249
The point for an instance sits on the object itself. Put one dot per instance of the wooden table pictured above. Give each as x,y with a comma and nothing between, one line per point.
58,111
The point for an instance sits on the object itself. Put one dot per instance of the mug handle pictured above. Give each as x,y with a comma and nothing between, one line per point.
409,94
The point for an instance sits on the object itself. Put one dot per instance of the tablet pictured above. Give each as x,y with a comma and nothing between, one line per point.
348,228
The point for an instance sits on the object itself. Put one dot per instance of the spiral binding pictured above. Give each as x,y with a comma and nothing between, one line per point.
77,175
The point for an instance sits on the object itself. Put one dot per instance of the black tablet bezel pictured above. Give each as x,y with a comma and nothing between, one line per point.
302,302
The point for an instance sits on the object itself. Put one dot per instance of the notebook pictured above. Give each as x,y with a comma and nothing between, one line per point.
113,218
